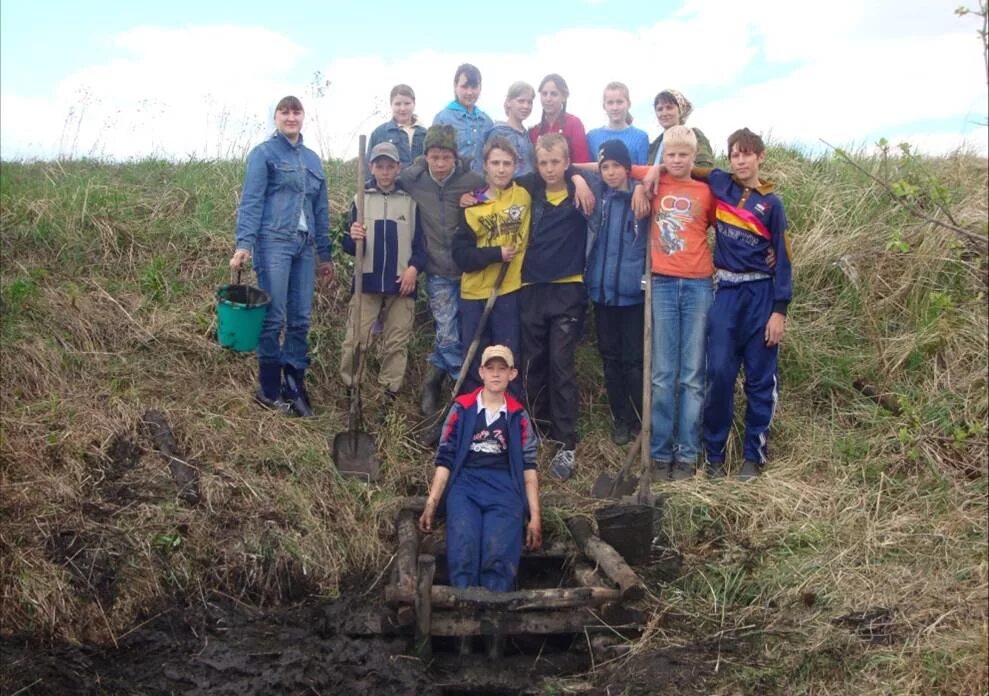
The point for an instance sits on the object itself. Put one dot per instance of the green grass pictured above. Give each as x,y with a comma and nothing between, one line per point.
107,310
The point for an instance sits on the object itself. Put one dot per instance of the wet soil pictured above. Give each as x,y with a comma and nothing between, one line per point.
226,648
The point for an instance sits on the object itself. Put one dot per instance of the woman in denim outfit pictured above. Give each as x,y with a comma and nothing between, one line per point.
283,224
403,130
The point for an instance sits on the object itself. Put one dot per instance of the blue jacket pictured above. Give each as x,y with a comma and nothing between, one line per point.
748,222
394,242
472,129
458,429
282,182
393,133
523,146
616,256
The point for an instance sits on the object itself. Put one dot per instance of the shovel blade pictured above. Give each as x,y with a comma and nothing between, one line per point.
355,455
607,487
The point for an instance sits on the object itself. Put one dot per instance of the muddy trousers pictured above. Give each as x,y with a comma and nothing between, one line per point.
502,329
619,337
736,338
484,525
396,329
552,320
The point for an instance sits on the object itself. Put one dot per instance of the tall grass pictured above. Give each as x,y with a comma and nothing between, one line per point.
107,310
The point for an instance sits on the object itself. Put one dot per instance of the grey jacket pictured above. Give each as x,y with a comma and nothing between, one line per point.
439,211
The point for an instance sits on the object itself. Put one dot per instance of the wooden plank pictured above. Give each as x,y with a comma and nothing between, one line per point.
467,623
408,551
446,597
609,560
424,609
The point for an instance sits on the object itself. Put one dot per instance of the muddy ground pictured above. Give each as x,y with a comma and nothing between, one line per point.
225,648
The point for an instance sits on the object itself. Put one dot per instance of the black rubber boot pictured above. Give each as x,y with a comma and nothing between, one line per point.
748,471
681,471
715,470
269,391
430,400
294,391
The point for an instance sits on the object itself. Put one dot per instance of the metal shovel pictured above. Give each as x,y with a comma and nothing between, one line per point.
355,451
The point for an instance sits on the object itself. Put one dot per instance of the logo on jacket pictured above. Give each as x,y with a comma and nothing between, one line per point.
761,208
515,213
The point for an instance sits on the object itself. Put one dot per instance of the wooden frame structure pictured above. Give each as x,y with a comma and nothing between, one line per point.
604,583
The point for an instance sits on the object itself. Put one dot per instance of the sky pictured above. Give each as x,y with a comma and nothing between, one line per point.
199,79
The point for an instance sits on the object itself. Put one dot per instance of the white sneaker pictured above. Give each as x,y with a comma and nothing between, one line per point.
562,465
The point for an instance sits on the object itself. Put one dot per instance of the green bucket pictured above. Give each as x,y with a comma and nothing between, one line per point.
240,312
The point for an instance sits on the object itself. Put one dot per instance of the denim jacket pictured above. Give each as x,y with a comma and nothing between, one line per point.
282,182
393,133
520,141
472,129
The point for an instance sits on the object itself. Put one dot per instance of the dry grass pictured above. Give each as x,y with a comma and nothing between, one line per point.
108,274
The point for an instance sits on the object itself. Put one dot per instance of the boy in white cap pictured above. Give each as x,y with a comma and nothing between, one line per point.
486,481
394,253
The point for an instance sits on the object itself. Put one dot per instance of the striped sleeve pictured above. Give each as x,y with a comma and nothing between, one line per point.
446,451
530,442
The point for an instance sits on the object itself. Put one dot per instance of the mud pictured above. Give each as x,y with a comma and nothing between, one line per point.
226,648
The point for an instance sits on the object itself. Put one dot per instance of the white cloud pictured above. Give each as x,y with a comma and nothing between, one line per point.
838,72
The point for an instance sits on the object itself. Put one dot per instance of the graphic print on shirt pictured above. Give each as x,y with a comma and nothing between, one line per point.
501,228
489,441
675,213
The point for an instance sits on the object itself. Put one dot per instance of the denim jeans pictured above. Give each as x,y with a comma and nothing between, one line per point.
443,295
286,268
679,315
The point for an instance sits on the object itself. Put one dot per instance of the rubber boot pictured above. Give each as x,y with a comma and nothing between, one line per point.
294,391
681,471
430,400
269,391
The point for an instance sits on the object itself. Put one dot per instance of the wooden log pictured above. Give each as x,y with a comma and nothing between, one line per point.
408,551
609,560
424,608
446,597
472,623
435,545
185,475
547,500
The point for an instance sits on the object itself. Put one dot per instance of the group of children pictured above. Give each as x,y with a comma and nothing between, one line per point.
486,210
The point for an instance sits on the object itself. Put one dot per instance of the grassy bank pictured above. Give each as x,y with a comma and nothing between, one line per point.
856,564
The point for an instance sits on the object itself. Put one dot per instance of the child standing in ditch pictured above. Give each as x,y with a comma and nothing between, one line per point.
486,481
394,252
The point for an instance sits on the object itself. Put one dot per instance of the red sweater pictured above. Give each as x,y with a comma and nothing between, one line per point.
572,129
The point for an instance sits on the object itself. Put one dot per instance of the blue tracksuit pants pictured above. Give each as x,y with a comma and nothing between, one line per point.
736,328
484,529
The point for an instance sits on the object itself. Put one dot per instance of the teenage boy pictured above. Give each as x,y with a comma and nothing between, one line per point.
681,297
487,481
394,251
613,275
472,124
436,182
748,318
553,300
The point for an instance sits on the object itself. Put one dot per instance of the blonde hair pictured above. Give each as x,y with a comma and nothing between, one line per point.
623,88
680,135
517,90
547,141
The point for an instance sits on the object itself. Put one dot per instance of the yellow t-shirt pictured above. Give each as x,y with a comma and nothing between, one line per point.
555,198
502,221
